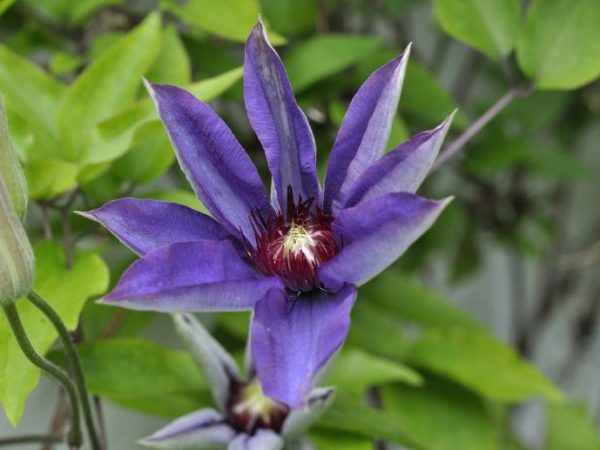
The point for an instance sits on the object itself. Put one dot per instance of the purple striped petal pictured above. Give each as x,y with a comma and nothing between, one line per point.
401,170
146,225
292,337
204,429
218,366
365,130
191,277
220,171
278,121
375,233
262,440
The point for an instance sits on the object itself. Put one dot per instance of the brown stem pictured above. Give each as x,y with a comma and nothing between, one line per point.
32,439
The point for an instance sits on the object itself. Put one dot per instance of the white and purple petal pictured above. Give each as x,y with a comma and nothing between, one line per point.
218,366
145,225
402,169
263,439
278,121
365,130
293,337
201,430
299,420
375,233
218,168
191,277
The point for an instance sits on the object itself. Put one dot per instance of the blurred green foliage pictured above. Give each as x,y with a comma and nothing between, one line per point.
417,370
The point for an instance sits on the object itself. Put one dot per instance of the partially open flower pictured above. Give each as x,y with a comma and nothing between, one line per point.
245,419
16,254
297,259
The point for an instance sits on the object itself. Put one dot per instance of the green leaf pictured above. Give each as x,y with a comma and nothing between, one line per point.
229,19
66,290
107,84
5,5
150,156
570,427
180,196
443,415
290,17
81,10
325,55
424,97
113,137
481,363
405,297
328,440
488,25
375,330
355,371
350,415
559,45
33,95
172,64
144,376
48,178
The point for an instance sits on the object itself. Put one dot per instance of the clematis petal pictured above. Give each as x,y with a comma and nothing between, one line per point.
365,130
204,429
218,366
278,121
299,420
220,171
401,170
145,225
292,337
262,440
191,277
375,233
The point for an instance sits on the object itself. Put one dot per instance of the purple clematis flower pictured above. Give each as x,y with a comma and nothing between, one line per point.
295,260
245,419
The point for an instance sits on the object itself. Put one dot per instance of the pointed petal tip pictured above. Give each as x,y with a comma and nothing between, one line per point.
86,214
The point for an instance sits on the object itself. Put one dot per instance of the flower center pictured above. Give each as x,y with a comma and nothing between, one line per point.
250,409
295,245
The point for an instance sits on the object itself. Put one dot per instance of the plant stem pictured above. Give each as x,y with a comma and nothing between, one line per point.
32,439
74,363
50,368
480,123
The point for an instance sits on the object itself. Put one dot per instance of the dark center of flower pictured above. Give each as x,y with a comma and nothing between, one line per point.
249,409
295,244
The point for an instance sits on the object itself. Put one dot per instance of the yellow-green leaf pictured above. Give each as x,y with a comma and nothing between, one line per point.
66,290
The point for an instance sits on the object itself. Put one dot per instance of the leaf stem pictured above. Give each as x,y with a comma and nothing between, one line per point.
74,363
32,439
12,315
480,123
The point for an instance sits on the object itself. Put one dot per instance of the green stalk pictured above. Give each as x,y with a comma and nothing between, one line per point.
74,363
74,437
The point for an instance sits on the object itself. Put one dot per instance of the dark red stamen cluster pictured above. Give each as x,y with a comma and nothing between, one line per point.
294,245
246,414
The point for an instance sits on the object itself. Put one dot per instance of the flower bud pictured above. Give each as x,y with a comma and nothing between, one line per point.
10,168
16,254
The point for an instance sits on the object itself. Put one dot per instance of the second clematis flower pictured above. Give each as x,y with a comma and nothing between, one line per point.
296,260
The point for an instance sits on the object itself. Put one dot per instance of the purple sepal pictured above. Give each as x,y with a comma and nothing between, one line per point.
278,121
191,277
401,170
145,225
204,429
218,168
365,130
375,233
292,337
